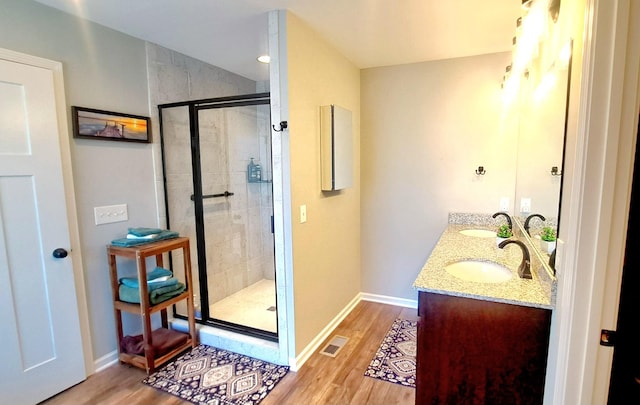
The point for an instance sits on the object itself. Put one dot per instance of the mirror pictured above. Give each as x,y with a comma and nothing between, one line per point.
542,105
536,92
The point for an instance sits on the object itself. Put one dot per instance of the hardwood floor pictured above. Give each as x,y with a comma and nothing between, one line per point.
321,380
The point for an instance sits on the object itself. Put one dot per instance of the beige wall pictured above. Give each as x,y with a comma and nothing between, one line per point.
426,127
326,249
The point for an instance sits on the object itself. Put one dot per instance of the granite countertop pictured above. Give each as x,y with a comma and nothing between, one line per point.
454,246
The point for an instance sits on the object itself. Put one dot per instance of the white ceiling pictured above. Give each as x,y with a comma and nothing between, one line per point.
231,33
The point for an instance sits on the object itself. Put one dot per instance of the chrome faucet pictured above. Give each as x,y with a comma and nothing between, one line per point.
506,216
524,271
529,218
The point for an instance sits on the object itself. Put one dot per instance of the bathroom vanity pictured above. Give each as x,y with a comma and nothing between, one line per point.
481,342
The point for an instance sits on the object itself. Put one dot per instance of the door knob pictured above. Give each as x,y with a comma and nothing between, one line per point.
60,253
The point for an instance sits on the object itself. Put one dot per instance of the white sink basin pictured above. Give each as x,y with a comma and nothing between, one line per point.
479,233
479,271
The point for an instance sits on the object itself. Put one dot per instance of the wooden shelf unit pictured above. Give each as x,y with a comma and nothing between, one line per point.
145,309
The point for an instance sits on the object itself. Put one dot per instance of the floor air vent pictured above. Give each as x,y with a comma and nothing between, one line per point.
333,347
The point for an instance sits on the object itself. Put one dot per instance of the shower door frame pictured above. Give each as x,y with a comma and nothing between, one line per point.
194,107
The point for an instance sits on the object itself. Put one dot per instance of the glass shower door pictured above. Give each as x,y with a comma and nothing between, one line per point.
217,168
237,209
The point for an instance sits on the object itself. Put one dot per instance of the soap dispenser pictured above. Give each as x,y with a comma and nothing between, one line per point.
258,172
251,171
254,172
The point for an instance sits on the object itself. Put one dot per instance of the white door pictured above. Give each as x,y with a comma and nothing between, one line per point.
41,350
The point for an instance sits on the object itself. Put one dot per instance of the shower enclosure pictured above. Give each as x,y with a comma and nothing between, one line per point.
216,157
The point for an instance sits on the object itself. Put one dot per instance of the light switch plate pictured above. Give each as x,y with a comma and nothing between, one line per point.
303,213
504,204
110,213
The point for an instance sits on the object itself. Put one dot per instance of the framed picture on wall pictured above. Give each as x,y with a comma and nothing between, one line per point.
89,123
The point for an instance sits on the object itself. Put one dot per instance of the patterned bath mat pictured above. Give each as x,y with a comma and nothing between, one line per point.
395,360
210,376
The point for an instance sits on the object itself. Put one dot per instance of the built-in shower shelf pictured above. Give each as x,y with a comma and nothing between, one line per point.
259,181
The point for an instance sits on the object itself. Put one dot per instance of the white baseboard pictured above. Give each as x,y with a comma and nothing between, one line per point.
304,355
385,299
296,363
105,361
110,359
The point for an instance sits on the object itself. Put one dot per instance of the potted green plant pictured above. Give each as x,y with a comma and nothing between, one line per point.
503,233
548,239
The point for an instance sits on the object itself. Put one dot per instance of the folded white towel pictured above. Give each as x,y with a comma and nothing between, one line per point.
152,236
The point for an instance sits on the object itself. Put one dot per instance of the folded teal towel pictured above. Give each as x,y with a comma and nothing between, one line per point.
132,295
151,285
144,231
156,278
157,272
124,242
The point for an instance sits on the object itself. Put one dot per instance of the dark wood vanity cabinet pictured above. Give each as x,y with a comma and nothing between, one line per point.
480,352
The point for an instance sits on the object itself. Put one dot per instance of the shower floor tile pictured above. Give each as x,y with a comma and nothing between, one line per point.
252,306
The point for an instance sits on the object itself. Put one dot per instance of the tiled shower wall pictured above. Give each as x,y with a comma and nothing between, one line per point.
238,228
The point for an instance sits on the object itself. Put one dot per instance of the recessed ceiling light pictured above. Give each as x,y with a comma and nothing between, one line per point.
264,58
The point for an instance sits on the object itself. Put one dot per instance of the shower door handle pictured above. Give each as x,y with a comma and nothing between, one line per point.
225,194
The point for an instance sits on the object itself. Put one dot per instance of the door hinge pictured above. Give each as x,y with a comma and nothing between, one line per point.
608,337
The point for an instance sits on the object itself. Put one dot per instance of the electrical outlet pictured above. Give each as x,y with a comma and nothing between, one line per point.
110,213
525,205
303,214
504,204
